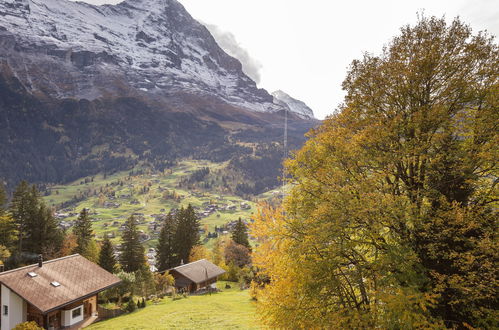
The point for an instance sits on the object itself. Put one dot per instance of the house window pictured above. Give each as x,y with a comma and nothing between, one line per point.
76,313
5,310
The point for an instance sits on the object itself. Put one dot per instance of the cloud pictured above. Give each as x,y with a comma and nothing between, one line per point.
228,42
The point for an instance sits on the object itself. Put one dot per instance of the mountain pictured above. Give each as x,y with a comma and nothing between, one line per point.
296,106
86,89
74,49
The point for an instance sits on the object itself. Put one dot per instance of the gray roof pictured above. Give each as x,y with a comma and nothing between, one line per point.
199,271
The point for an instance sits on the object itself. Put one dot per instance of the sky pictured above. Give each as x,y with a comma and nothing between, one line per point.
305,47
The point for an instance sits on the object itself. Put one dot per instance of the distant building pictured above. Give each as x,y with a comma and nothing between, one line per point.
56,294
196,275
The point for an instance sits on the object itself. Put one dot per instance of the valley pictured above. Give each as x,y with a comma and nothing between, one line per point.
149,195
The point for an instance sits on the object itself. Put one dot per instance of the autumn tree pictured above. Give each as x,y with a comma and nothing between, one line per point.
107,260
132,256
199,252
237,254
217,252
163,282
392,216
240,234
8,229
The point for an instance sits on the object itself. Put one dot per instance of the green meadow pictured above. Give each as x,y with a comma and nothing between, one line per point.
229,309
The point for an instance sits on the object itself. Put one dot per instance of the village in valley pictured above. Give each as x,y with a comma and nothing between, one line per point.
149,196
109,219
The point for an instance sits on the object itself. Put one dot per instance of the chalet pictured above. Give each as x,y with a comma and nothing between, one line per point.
196,275
56,294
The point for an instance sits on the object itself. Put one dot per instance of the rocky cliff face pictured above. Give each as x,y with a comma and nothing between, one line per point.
87,89
154,47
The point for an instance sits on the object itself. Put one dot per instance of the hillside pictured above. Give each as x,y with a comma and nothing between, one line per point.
150,195
97,89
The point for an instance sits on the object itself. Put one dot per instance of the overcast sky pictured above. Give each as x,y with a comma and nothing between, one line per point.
304,47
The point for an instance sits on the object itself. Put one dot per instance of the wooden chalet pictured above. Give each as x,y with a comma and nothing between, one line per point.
196,275
56,294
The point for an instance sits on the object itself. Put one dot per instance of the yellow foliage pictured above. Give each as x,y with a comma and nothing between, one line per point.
199,252
391,221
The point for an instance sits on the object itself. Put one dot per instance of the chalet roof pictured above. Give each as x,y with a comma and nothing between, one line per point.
78,277
199,271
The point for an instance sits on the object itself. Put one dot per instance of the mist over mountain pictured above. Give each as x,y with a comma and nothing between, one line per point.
86,89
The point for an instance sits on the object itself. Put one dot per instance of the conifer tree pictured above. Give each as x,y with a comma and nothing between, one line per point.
187,233
107,260
132,256
240,234
82,229
22,208
38,231
167,256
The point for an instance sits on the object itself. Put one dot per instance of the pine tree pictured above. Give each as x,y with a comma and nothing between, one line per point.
240,234
43,233
132,256
38,231
107,260
187,233
22,208
82,229
167,256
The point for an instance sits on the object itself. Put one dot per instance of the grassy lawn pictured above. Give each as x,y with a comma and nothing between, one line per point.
229,309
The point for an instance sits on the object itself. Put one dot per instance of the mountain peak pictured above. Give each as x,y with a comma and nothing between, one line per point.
74,49
294,105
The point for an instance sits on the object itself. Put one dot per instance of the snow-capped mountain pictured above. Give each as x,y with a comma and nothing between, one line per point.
154,47
294,105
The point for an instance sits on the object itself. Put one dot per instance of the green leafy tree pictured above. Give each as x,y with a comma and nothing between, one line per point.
82,229
166,252
132,256
240,234
107,259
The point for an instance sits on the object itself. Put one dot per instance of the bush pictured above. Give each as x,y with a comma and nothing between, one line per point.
32,325
131,306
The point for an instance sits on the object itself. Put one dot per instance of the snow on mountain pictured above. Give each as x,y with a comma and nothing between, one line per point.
74,49
294,105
